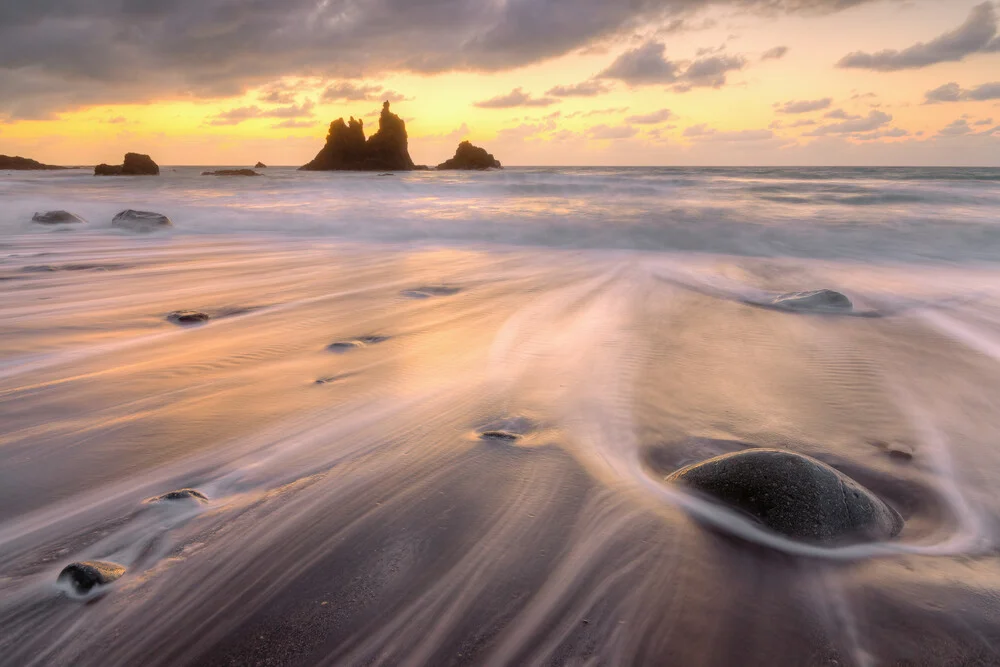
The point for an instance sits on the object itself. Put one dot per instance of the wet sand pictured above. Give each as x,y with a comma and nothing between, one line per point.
356,513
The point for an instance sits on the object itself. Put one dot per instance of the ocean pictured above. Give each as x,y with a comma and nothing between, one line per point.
432,415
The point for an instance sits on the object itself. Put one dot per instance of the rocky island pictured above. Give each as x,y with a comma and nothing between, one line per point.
134,164
347,149
471,157
18,163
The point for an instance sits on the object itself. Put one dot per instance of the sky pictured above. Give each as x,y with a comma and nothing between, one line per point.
536,82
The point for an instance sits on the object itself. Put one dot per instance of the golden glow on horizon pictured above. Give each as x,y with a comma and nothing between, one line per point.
182,131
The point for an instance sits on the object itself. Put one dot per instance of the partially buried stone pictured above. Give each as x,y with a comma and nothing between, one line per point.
823,300
141,221
56,218
83,577
180,494
794,495
188,317
502,436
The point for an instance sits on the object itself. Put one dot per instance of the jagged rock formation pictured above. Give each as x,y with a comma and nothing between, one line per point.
347,150
231,172
24,164
468,156
260,165
135,164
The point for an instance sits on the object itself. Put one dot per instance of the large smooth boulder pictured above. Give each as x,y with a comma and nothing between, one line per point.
816,301
83,577
471,157
141,221
347,149
57,218
794,495
135,164
19,163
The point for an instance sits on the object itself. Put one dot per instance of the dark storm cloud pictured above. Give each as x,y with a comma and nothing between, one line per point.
116,51
976,35
952,92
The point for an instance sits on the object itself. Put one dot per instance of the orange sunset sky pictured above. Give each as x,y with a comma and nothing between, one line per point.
561,82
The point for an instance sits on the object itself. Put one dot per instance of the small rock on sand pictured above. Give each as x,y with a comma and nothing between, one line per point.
180,494
83,577
819,301
141,221
57,218
188,317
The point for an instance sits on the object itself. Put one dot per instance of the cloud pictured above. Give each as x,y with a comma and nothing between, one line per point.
651,118
601,132
598,112
350,92
711,72
777,53
956,129
645,64
984,121
976,35
703,132
117,120
590,88
952,92
874,121
289,124
241,114
805,106
515,98
840,114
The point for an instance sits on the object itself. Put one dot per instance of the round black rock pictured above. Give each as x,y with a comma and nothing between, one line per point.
794,495
141,221
821,301
88,574
57,218
188,317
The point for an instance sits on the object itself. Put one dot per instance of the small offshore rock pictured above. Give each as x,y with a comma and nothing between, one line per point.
469,157
88,574
823,300
134,164
188,317
56,218
180,494
141,221
794,495
231,172
260,165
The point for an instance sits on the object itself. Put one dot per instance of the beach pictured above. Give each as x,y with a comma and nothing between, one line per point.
432,416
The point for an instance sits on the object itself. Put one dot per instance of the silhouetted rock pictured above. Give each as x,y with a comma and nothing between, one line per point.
260,165
141,221
231,172
347,150
56,218
135,164
794,495
823,300
188,317
86,575
25,164
471,157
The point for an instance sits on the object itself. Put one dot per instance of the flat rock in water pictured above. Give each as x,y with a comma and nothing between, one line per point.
56,218
794,495
231,172
141,221
820,301
188,317
180,494
86,575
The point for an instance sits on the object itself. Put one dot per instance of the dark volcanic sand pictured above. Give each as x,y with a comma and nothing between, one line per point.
366,522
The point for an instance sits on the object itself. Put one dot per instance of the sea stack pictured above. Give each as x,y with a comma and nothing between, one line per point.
260,165
471,157
347,149
135,164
